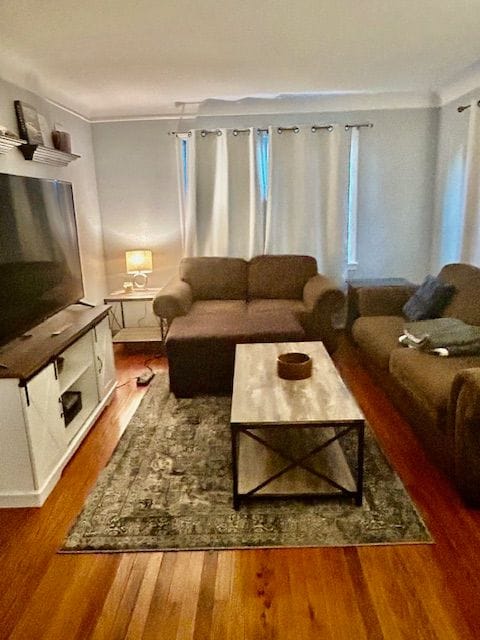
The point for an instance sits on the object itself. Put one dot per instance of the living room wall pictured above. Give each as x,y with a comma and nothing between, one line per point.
136,174
81,173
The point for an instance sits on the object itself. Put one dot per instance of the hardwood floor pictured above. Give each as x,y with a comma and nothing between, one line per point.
392,592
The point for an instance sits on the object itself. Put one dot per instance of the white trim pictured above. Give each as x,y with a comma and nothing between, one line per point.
467,81
339,102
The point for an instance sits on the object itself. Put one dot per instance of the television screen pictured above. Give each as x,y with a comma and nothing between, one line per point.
40,271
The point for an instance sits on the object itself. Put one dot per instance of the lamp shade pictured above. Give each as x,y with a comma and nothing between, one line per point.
139,261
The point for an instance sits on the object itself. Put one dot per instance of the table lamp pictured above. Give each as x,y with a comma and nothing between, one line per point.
139,263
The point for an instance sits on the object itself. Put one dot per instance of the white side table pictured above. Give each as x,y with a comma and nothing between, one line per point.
134,334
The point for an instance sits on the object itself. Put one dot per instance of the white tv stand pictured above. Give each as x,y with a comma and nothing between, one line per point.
53,386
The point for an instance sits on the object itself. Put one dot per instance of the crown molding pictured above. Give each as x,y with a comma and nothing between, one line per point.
466,82
292,103
15,71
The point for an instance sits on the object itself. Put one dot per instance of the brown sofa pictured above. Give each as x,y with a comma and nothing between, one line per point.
216,303
439,395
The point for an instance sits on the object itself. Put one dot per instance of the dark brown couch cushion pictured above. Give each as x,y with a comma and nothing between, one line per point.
280,277
378,337
218,306
201,349
215,278
429,378
465,303
279,308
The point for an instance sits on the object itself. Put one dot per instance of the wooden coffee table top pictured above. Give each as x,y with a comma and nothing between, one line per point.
261,397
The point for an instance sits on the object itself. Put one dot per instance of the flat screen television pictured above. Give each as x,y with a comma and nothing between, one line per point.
40,270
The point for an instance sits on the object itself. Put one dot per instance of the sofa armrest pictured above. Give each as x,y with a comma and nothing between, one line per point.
321,290
175,299
383,301
465,415
323,299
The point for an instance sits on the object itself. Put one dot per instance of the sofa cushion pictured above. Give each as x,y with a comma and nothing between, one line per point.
427,377
279,308
201,349
428,300
215,278
234,328
465,303
279,276
202,307
378,337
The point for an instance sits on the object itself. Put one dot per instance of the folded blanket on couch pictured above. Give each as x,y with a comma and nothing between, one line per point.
442,336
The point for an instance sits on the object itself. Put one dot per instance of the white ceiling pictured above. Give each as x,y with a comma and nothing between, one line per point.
107,58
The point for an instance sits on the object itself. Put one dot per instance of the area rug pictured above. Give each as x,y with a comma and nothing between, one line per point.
168,487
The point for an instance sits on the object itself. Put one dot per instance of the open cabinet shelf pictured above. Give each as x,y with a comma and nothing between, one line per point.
47,155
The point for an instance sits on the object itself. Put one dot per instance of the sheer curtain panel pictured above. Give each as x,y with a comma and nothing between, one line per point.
470,249
221,209
307,197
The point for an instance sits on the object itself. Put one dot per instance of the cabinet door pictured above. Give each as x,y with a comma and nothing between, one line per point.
45,425
104,362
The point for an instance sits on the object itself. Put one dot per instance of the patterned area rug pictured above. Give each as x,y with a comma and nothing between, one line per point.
168,487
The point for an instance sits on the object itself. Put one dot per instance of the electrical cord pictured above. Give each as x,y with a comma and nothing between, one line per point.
119,386
146,365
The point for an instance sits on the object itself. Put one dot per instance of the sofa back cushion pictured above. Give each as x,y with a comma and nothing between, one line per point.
215,278
281,277
465,303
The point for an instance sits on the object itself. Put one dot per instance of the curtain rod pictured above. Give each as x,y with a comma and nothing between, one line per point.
235,132
466,106
280,130
369,125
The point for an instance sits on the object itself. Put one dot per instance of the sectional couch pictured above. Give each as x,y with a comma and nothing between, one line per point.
439,395
216,303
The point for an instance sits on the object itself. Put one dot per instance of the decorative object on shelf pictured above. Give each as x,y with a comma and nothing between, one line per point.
62,141
294,366
128,286
4,131
28,123
47,155
46,131
139,263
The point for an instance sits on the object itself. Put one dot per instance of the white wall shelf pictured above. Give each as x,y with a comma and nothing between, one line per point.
7,143
47,155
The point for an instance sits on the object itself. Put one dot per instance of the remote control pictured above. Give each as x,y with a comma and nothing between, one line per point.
61,330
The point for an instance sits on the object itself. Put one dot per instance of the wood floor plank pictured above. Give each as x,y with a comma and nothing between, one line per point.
139,616
206,597
396,592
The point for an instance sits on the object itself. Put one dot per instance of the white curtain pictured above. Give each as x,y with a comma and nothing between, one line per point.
307,199
470,249
219,194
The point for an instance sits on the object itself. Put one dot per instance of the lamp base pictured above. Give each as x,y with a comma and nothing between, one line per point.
140,280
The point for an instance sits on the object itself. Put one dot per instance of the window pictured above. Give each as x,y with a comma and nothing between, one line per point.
184,154
263,165
352,211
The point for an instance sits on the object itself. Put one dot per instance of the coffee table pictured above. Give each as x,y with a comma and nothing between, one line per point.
293,437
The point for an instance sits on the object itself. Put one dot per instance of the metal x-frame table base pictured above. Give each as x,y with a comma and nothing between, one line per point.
301,462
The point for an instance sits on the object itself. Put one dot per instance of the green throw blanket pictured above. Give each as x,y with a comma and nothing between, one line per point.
442,336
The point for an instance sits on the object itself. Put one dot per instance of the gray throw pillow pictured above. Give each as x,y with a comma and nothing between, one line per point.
428,300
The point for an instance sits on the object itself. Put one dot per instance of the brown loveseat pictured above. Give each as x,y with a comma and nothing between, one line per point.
439,395
216,303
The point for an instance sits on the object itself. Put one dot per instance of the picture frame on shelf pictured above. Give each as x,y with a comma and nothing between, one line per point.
28,123
45,131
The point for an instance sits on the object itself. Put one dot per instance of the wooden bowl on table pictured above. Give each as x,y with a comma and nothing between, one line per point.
294,366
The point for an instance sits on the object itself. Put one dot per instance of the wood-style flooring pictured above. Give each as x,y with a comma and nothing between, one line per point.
392,592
